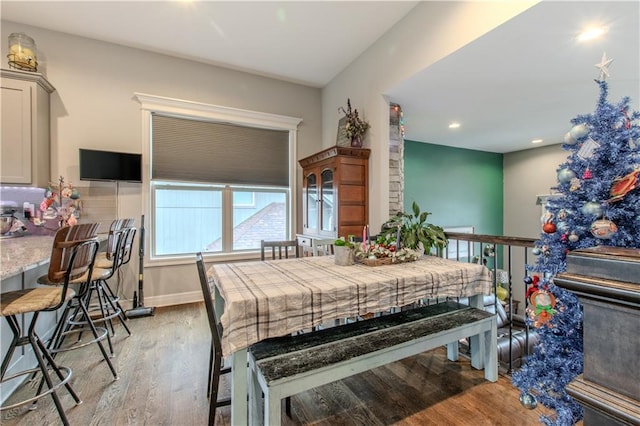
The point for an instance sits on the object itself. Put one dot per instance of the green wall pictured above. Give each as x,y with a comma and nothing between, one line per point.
461,187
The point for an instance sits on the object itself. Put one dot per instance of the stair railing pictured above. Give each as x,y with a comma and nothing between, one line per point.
498,253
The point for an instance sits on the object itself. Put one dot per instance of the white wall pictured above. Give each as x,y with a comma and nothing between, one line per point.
93,107
527,174
429,32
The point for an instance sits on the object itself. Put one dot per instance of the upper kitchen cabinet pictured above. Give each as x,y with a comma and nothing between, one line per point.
335,192
25,128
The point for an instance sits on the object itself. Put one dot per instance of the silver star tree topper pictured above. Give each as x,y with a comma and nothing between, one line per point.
604,67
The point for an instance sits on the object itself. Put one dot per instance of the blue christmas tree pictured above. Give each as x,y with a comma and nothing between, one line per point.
596,202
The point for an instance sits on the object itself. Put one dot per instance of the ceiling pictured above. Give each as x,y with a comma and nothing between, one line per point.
522,81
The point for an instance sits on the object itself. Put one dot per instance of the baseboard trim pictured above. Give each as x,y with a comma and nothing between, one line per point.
168,299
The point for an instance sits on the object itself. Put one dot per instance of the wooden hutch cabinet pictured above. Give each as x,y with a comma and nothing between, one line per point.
335,199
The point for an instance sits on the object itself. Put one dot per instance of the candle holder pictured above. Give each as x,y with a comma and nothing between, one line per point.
22,52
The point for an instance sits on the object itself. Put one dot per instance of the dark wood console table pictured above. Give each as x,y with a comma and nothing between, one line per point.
607,282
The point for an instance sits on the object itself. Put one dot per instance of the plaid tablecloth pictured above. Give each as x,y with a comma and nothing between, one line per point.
274,298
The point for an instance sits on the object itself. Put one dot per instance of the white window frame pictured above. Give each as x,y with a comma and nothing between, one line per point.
189,109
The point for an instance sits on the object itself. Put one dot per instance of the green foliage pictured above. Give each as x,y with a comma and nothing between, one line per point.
344,242
414,229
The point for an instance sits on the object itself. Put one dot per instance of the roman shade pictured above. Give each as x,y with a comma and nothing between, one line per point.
185,149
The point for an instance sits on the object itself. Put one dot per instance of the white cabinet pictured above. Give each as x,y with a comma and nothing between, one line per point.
25,152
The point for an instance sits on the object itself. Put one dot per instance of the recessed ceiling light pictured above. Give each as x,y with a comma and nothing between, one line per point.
536,141
454,125
591,33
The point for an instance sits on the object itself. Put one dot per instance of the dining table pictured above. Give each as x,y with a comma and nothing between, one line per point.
256,300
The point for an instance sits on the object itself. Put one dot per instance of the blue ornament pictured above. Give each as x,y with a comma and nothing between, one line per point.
528,401
565,175
579,131
536,251
592,208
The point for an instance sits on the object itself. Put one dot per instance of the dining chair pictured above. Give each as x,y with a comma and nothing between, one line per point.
322,247
215,355
282,249
72,259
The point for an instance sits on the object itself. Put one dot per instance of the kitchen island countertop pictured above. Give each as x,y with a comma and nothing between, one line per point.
23,253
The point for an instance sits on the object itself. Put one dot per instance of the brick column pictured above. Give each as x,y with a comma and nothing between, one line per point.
396,160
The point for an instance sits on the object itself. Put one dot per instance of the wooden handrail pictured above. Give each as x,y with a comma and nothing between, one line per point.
493,239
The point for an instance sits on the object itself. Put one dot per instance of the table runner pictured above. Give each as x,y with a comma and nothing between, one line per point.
265,299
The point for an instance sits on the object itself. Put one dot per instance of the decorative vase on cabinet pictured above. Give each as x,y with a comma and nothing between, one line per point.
25,128
335,192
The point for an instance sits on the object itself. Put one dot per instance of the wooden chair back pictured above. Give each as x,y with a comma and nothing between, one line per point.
208,303
128,222
116,258
281,247
115,226
127,244
70,258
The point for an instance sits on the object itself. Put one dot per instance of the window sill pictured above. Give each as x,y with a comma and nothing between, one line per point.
208,257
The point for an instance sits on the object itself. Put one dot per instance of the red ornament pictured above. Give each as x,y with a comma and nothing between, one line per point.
549,228
534,286
587,174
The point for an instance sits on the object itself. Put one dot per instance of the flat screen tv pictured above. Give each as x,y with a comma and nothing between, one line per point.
110,166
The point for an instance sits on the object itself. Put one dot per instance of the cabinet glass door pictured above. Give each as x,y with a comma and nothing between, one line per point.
311,200
328,201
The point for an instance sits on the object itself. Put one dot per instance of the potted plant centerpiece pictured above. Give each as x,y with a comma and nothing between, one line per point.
344,251
414,231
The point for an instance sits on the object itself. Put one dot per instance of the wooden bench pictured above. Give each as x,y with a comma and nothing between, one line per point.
285,366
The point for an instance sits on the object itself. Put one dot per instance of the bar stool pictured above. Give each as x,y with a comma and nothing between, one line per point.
106,304
118,254
102,302
72,257
105,256
77,319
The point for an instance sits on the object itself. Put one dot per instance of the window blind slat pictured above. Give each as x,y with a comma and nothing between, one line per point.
202,151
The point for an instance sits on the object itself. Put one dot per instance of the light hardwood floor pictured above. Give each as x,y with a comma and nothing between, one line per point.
163,369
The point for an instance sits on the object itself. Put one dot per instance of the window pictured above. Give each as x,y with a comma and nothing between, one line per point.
220,179
181,209
244,199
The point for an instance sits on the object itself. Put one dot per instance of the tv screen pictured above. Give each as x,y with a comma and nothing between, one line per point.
112,166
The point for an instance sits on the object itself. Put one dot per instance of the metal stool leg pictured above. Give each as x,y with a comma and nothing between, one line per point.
41,353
